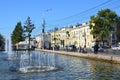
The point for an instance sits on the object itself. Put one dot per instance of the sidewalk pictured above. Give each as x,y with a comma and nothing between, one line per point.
107,57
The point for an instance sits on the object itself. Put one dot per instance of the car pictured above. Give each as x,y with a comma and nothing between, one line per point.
70,47
100,49
115,47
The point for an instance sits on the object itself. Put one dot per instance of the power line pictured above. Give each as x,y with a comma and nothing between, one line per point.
81,13
116,7
107,3
86,10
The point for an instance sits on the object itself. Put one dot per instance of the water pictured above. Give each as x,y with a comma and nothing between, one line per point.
66,67
36,62
8,47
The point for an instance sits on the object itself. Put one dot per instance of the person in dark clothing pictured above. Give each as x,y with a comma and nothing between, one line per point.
96,47
84,50
79,49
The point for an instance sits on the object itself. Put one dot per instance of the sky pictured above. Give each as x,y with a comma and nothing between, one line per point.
57,13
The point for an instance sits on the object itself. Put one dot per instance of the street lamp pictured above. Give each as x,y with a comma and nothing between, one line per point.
43,28
85,37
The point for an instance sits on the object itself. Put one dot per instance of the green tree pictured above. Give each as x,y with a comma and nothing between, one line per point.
17,34
67,36
28,28
102,24
2,43
118,30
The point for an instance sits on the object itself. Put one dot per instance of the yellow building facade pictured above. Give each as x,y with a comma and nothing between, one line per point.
77,35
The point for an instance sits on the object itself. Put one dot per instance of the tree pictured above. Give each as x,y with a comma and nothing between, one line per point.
28,28
118,30
67,33
67,36
17,34
101,24
2,43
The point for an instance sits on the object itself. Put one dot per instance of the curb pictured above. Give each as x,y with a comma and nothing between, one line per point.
104,57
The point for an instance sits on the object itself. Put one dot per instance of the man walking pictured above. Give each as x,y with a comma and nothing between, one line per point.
96,47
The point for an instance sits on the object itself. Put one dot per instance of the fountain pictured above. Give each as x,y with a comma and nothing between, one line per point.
8,45
8,48
47,66
30,61
37,62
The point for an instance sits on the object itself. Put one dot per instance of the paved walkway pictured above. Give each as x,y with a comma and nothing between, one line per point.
107,57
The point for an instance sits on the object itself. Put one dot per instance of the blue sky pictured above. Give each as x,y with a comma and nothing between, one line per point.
60,13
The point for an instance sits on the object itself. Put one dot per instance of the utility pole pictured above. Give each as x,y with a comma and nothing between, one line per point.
43,25
43,28
85,37
43,32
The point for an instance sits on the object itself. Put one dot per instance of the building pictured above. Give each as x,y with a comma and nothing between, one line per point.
43,40
38,39
23,45
80,36
75,35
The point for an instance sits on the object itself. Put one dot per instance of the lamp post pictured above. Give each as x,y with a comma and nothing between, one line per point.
84,37
54,41
43,28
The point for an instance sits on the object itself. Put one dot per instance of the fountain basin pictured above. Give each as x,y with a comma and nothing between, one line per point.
29,69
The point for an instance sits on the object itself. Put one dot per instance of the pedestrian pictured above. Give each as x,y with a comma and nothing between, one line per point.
79,49
96,47
84,50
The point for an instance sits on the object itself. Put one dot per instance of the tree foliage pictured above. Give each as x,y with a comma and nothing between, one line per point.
67,33
101,24
17,34
2,43
118,30
28,28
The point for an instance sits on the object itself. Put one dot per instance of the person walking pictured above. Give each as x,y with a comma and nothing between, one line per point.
96,47
79,49
84,50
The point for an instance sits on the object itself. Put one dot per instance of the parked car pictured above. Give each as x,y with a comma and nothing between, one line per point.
115,47
70,47
100,49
